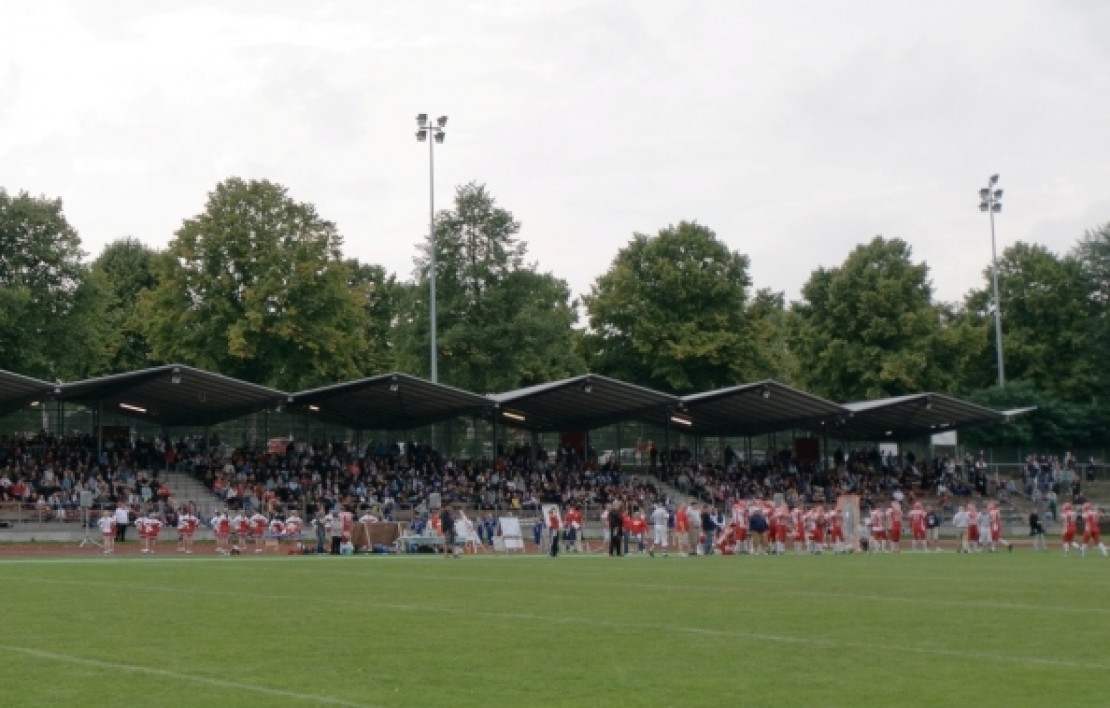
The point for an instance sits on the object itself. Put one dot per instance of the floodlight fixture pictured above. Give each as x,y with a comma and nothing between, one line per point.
393,384
175,376
765,391
991,203
513,416
437,134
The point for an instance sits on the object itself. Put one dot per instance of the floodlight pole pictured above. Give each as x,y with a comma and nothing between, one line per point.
433,133
991,202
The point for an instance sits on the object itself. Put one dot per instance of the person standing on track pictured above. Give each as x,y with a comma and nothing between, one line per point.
894,523
682,528
259,525
994,522
1067,536
107,525
918,528
122,518
658,530
553,529
1090,529
616,530
447,528
187,524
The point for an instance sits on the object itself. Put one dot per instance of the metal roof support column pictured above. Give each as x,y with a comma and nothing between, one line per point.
825,450
99,430
617,439
665,457
475,445
535,438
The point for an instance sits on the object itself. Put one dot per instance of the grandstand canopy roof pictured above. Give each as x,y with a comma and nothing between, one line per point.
17,391
389,402
173,395
913,416
754,409
581,403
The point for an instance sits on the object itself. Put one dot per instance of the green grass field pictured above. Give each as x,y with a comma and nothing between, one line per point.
1019,629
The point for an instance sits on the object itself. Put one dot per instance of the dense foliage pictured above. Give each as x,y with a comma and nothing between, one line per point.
256,286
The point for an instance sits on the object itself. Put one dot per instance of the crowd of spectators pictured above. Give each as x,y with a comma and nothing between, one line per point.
411,477
50,474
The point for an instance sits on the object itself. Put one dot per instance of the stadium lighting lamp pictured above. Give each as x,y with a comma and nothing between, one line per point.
437,134
990,201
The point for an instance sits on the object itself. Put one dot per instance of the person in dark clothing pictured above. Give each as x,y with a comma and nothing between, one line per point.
616,529
757,525
447,526
709,527
553,529
1036,530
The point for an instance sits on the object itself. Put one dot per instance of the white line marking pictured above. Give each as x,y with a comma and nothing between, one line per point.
218,683
589,621
577,583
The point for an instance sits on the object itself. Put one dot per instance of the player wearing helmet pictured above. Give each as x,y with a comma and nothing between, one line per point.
1090,529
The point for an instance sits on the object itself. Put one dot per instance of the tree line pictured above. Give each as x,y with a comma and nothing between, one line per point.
256,286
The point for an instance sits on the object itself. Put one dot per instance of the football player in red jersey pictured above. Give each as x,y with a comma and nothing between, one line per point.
994,523
918,527
894,523
1067,518
1090,529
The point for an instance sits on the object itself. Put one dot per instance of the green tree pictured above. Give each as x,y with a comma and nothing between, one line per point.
379,296
125,269
1053,425
767,315
501,324
1093,254
255,287
670,314
1047,316
868,328
46,297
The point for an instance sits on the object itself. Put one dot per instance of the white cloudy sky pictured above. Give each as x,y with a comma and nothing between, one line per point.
795,130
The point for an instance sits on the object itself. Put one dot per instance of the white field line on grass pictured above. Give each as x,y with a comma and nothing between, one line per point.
192,678
805,639
617,583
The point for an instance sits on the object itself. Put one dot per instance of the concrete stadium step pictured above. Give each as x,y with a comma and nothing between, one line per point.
186,488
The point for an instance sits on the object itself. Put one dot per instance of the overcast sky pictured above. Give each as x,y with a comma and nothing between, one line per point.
795,130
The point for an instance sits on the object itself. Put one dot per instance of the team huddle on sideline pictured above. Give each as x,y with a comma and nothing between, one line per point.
759,527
